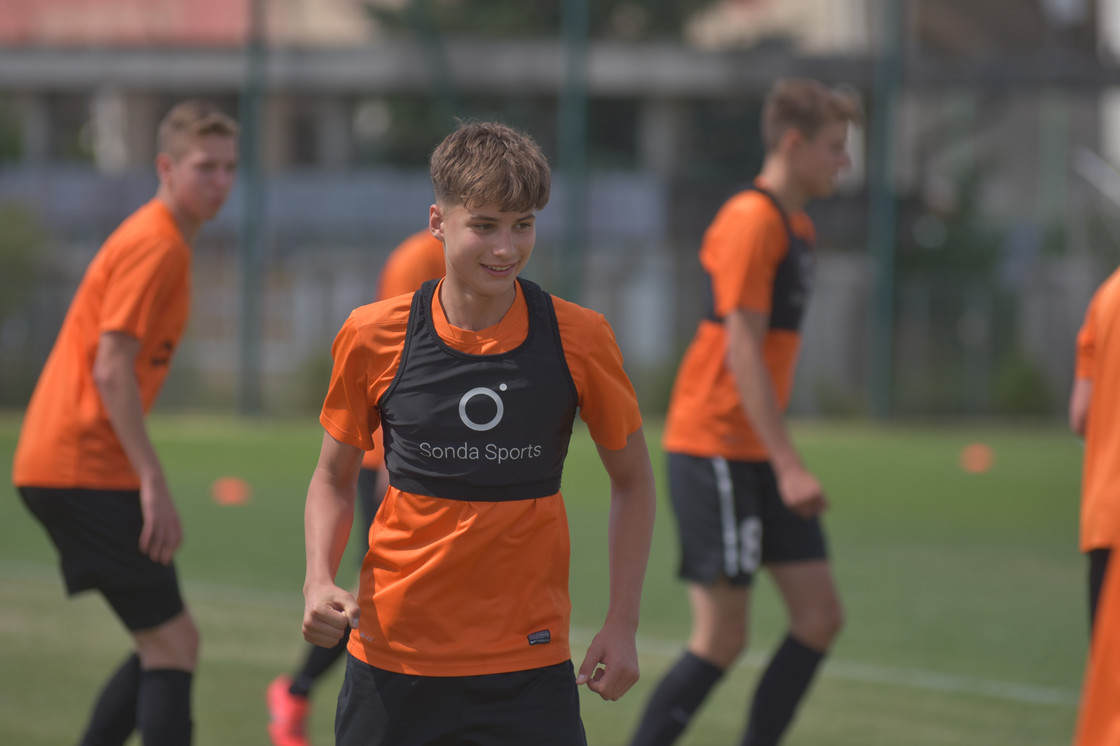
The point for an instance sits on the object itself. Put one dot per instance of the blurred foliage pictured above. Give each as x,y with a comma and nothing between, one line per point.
958,313
962,238
21,239
608,19
21,242
1020,387
11,141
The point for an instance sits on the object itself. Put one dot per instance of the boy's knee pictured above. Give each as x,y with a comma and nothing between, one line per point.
819,626
174,644
720,647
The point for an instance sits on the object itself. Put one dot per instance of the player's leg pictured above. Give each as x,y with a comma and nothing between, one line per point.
718,637
168,658
114,712
97,533
815,617
795,552
714,508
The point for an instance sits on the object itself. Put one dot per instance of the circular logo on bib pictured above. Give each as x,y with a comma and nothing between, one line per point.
482,391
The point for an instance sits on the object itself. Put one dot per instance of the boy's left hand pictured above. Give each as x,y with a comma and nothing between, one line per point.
610,667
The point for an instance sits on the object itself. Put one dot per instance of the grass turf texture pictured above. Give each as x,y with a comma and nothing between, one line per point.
964,592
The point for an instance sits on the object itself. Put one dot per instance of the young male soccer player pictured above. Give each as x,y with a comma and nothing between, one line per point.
1093,406
84,464
460,627
741,494
417,259
1093,401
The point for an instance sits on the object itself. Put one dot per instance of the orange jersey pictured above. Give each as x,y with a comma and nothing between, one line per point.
457,587
416,260
742,251
1098,359
139,284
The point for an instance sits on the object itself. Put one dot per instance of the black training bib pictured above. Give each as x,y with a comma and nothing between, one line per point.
487,428
793,279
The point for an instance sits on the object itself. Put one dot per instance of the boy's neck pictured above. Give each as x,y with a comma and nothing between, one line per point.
777,179
465,309
189,228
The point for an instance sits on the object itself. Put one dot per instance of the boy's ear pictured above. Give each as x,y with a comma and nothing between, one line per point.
791,138
435,222
163,165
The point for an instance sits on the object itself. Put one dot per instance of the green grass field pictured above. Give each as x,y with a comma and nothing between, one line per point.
964,592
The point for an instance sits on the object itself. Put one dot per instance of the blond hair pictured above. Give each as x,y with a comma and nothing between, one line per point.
806,106
483,163
189,120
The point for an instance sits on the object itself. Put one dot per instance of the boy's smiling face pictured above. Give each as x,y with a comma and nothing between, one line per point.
486,247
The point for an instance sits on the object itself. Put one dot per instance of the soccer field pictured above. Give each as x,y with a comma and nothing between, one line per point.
966,619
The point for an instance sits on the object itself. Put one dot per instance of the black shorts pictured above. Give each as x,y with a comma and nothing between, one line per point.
731,520
97,535
381,708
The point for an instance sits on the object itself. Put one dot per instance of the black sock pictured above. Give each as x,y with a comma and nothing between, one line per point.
676,700
318,660
114,715
779,691
164,713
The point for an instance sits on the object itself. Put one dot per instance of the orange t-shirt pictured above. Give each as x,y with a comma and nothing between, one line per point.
741,252
1098,359
138,283
453,587
416,260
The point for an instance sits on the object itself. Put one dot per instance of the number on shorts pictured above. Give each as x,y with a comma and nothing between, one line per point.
750,544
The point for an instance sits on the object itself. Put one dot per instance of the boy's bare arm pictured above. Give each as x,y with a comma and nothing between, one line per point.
114,374
1079,399
328,516
800,490
630,533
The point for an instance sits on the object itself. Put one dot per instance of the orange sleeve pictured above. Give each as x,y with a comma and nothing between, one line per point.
1087,342
741,252
366,354
607,402
418,259
142,281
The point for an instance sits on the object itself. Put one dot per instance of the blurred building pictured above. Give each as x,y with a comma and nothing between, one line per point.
1000,170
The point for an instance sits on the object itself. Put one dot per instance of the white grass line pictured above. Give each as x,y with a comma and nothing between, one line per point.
912,678
868,673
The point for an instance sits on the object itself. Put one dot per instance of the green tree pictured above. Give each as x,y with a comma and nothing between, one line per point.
21,238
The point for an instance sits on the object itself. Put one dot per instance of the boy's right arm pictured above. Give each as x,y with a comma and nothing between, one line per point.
800,490
114,375
1079,399
328,516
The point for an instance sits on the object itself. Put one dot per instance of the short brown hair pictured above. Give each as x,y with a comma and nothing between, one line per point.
490,163
191,119
806,106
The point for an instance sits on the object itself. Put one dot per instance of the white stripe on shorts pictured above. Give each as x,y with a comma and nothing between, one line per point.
727,516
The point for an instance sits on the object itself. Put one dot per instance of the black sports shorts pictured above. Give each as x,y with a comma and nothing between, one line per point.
731,520
381,708
97,535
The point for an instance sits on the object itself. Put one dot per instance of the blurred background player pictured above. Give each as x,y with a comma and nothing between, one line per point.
1093,414
416,260
1093,406
84,464
741,494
